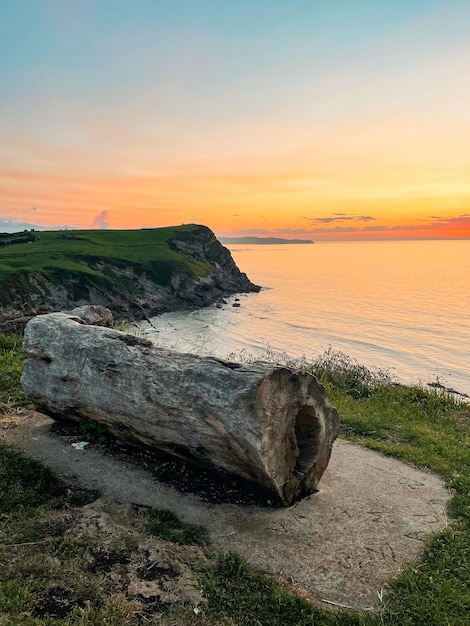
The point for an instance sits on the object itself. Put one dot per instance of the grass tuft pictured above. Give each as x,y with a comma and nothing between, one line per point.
347,375
24,482
233,588
165,524
12,395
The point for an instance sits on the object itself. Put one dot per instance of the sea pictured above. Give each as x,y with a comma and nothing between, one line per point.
399,306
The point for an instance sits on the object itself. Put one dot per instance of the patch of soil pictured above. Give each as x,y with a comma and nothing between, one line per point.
154,571
211,486
11,419
105,560
57,528
464,416
57,602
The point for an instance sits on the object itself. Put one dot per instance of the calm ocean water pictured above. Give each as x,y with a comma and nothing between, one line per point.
401,305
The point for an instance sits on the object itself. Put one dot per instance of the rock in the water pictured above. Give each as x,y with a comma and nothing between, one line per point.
263,422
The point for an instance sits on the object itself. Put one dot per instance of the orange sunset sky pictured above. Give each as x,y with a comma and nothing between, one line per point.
347,119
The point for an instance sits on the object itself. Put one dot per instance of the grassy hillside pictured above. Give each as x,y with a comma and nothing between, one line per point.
54,252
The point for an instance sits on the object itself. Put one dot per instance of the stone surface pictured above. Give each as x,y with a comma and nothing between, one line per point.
265,423
93,315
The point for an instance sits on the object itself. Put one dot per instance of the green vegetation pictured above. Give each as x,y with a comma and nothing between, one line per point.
34,509
11,365
166,525
94,431
82,255
248,598
428,428
7,239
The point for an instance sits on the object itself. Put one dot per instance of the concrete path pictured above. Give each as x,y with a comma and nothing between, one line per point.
341,545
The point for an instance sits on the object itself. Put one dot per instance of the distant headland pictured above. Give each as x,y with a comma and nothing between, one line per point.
261,240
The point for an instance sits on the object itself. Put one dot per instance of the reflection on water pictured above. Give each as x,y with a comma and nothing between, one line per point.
397,305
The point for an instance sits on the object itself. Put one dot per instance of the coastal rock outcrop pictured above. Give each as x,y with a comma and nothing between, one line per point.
132,289
265,423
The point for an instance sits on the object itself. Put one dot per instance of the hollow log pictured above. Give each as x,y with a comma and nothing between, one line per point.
263,422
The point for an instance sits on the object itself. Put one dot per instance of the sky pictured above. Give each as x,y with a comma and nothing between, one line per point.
320,119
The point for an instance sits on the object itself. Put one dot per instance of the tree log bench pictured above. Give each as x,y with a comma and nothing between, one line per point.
263,422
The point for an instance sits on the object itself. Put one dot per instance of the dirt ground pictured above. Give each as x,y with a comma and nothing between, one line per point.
339,546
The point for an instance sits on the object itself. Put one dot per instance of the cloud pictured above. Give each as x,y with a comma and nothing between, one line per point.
293,231
336,229
23,210
253,231
325,220
459,220
101,220
340,217
13,225
410,227
374,228
440,222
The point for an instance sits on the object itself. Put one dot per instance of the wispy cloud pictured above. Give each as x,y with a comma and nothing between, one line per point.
293,231
252,231
374,228
442,222
10,224
458,220
433,227
23,210
340,217
336,229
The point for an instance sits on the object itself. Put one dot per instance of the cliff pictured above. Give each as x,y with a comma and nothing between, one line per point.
136,274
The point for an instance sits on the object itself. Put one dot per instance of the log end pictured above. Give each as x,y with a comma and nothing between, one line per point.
303,427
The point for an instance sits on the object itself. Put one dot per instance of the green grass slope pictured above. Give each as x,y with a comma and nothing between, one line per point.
56,254
137,274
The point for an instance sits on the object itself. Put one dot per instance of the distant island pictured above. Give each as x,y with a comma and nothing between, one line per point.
261,240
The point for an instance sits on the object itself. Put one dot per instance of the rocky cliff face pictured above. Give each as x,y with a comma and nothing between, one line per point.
130,292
